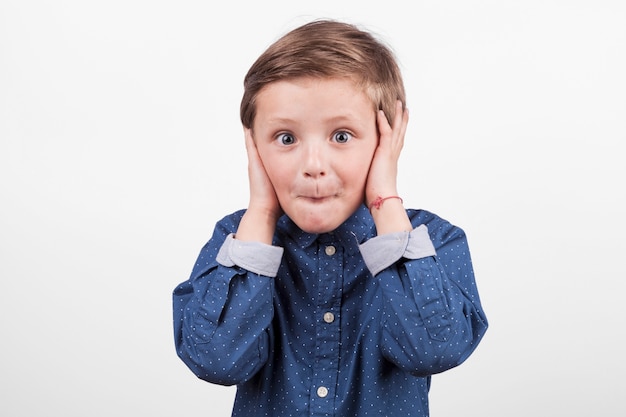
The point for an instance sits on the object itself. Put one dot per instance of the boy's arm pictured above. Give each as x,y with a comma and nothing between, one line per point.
432,319
222,313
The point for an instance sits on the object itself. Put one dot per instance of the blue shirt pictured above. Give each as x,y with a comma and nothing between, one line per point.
338,324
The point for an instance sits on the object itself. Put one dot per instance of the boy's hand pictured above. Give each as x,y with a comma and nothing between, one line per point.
384,169
259,221
382,178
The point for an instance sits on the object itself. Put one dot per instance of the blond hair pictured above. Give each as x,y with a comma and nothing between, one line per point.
327,49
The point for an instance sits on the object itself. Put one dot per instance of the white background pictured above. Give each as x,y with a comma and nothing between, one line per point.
120,147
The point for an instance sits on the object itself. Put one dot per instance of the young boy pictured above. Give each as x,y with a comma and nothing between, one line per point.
326,297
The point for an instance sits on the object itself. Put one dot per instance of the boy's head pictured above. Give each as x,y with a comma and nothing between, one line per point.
311,106
327,49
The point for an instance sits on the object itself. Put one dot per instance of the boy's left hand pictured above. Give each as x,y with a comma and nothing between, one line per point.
382,177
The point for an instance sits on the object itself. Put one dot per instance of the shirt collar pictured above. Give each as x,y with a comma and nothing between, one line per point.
354,231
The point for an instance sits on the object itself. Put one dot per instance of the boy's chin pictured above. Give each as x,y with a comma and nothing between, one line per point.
317,225
321,218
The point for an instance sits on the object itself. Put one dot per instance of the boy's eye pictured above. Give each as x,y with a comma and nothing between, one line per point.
286,139
342,137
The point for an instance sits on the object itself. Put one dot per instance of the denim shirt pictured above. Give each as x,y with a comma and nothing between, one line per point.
344,323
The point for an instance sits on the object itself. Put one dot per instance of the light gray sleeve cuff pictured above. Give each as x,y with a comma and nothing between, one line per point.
256,257
382,251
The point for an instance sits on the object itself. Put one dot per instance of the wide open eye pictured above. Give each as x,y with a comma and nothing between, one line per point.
286,139
342,137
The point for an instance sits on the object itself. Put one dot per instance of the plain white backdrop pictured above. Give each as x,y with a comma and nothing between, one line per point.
120,147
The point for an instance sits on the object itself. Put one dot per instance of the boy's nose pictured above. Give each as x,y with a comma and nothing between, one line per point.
314,162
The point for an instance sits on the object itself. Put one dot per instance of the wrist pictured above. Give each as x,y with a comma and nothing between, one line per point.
389,215
257,225
378,201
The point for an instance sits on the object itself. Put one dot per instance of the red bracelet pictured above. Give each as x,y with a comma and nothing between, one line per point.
378,201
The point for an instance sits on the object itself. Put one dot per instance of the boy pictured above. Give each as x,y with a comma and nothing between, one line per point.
326,297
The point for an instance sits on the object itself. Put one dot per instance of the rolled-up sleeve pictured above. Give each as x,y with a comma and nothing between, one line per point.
256,257
383,251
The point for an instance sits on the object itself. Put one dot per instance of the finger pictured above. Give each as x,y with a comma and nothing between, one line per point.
250,146
400,120
254,159
384,128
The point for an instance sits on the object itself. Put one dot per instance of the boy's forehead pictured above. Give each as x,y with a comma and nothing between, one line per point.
332,98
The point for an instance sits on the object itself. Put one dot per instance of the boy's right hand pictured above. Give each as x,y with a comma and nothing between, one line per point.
259,221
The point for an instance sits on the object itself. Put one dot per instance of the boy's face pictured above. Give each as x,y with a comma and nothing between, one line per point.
316,139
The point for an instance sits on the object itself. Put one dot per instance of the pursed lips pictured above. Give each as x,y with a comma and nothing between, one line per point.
317,199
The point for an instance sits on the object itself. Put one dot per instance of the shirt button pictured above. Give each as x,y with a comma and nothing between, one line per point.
322,392
330,250
329,317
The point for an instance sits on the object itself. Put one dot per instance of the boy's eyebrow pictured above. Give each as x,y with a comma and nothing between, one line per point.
278,120
348,117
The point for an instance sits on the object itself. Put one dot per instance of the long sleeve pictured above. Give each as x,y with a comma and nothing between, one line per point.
222,313
432,318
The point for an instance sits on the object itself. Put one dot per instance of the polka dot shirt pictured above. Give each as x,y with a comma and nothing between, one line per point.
326,336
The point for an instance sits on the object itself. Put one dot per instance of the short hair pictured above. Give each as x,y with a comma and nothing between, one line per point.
327,49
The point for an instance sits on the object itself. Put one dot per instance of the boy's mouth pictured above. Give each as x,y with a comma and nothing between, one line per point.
317,199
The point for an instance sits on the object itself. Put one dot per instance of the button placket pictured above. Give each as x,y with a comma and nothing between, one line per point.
330,286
